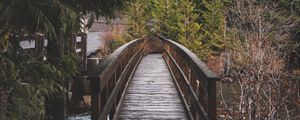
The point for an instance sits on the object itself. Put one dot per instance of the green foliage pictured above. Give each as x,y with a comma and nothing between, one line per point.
178,20
137,14
291,5
214,25
3,41
165,16
50,16
33,16
189,29
27,83
105,8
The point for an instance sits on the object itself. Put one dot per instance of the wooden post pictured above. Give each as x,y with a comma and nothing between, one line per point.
96,97
83,50
95,93
92,64
39,45
212,100
96,105
73,43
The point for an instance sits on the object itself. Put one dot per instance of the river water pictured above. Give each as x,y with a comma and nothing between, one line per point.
83,116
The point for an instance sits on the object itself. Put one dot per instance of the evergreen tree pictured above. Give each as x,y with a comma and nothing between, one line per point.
137,16
213,25
165,15
28,86
189,29
176,19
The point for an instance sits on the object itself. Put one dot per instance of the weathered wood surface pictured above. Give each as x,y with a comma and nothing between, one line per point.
152,93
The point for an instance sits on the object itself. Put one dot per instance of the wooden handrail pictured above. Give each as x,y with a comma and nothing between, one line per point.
109,80
194,80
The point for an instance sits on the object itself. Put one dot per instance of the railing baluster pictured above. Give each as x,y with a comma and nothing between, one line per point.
195,81
113,75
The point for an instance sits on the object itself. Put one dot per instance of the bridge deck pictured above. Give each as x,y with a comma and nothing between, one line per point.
151,93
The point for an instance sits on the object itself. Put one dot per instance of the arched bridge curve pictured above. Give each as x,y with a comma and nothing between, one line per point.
153,78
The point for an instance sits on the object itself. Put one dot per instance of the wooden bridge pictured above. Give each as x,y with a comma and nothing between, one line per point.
152,78
149,78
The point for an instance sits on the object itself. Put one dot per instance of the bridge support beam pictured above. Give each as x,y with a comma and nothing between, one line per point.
96,105
212,99
92,65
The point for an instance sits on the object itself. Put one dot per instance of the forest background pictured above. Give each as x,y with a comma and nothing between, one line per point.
253,45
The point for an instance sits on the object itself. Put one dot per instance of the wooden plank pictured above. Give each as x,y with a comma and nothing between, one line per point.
151,93
150,115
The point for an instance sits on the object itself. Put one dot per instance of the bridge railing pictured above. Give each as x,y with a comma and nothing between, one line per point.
195,82
111,78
